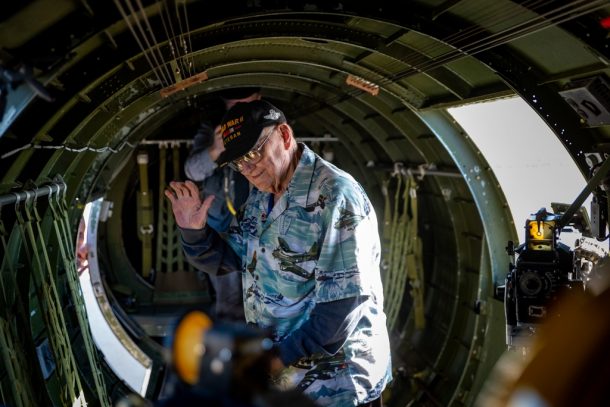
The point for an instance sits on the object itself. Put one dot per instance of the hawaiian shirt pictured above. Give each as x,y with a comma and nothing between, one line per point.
319,243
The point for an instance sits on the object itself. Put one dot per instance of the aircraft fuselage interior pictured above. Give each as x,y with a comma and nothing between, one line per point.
99,103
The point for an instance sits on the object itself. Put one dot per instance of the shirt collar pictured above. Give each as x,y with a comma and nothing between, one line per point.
299,186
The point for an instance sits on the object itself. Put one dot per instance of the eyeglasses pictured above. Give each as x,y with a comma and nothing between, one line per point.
251,157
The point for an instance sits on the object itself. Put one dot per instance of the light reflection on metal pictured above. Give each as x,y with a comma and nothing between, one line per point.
167,143
184,84
127,360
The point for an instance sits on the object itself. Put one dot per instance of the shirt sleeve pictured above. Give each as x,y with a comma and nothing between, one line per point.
325,331
349,251
208,252
199,165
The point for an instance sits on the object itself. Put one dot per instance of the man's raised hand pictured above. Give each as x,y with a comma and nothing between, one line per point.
189,210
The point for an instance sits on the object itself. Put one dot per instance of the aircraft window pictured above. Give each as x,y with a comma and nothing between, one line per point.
530,163
121,353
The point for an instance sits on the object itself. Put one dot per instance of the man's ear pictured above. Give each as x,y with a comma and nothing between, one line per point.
285,132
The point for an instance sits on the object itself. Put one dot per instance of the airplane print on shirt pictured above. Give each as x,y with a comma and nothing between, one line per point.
348,220
321,202
288,259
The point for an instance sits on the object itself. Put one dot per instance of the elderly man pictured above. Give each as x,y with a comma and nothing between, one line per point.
308,246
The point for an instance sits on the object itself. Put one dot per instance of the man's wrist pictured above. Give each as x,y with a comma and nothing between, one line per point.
214,153
191,236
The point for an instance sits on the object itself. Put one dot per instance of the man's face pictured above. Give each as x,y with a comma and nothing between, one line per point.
270,169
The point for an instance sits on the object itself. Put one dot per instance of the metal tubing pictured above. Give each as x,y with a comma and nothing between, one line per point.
21,196
591,185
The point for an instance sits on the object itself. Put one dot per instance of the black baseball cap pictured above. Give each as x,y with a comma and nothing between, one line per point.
241,127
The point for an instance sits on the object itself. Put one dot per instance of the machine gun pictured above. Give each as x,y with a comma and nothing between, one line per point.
542,270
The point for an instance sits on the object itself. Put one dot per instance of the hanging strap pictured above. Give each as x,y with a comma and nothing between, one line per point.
228,186
180,263
392,249
162,215
390,282
404,259
169,255
145,215
8,284
48,298
61,225
398,280
11,310
386,231
414,264
12,356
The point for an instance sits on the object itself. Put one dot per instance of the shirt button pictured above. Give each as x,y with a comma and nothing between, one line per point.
262,250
